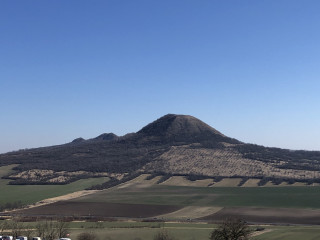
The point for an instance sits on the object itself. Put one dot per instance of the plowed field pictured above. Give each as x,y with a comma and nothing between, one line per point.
99,209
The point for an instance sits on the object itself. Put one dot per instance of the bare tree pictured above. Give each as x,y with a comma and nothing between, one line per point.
16,227
47,230
28,232
51,231
62,228
3,226
231,229
40,229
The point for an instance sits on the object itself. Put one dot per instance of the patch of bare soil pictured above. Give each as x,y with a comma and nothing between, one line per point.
258,233
99,209
227,182
182,181
267,215
190,212
59,198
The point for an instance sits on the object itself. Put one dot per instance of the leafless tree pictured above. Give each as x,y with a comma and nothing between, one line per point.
62,228
51,230
28,232
41,229
16,227
3,226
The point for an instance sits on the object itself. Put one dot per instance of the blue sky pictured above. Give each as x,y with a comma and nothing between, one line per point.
78,68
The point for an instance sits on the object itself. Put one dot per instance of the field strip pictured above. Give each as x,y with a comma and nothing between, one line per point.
258,233
59,198
191,212
182,181
188,228
129,183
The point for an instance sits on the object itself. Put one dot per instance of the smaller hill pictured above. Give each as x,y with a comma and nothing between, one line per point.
107,137
78,140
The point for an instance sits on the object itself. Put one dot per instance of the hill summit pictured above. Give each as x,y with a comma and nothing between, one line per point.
173,128
174,125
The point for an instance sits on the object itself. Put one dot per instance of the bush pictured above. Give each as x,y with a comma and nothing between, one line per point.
163,235
87,236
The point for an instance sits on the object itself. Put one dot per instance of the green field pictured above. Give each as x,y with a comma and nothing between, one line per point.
291,233
32,193
285,197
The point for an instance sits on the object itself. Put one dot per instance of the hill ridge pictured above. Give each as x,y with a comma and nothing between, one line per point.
172,144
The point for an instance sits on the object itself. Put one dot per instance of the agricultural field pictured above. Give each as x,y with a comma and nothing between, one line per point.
28,194
175,199
278,197
140,198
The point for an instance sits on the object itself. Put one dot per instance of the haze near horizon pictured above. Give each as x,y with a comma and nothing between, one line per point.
249,69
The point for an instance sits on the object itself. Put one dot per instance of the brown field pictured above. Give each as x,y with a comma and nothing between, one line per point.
251,183
99,209
227,182
267,215
182,181
190,212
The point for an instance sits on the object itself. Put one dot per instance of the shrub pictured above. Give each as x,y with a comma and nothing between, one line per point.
163,235
87,236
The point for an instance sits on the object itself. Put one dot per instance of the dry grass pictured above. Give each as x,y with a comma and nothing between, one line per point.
252,182
36,175
63,198
227,182
182,181
190,212
140,182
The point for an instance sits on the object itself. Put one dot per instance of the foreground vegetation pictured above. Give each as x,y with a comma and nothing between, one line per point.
179,231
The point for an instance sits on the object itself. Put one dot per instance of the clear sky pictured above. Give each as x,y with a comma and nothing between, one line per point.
250,69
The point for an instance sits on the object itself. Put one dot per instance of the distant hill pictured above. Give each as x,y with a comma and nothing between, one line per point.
173,144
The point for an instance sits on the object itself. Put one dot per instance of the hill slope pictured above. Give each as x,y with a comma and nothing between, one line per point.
173,144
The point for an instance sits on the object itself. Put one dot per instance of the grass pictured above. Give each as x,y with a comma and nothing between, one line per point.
33,193
148,233
291,233
286,197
